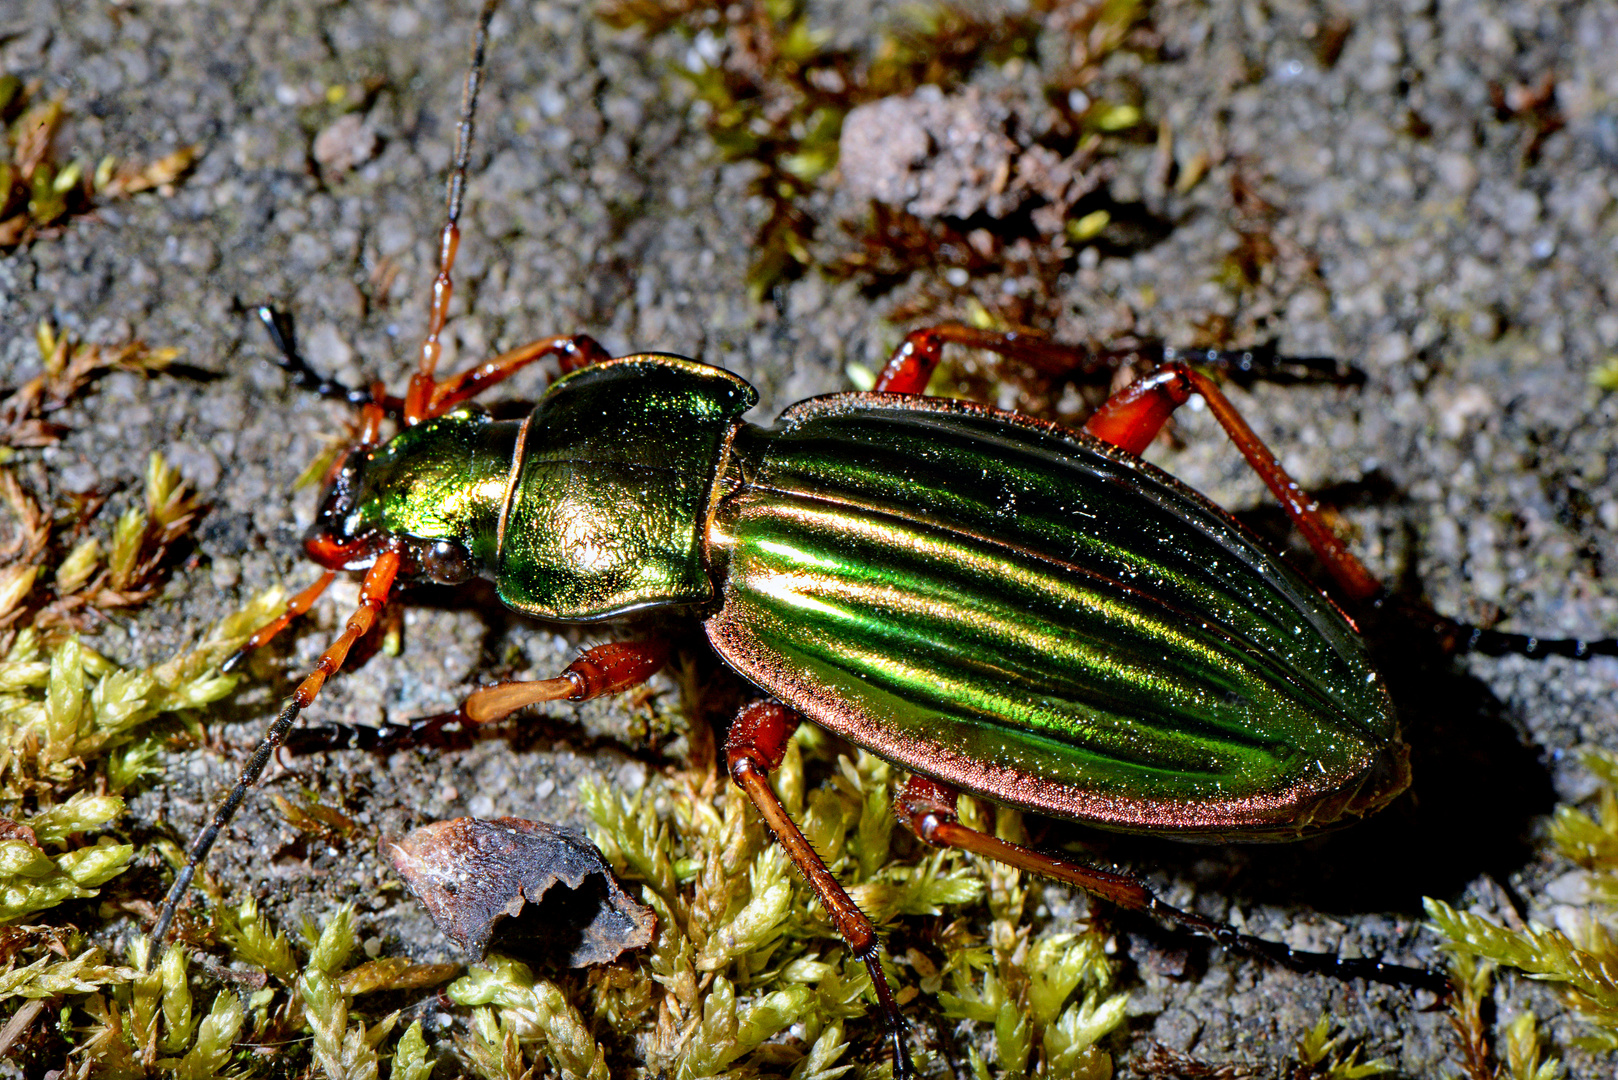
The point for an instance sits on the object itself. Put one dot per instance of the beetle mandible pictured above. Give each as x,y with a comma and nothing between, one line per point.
1002,606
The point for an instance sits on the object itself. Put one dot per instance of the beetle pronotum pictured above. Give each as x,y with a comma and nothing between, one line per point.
794,548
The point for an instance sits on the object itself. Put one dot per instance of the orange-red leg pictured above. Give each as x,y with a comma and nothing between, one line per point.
604,669
913,362
572,351
373,594
928,808
296,607
1131,418
755,746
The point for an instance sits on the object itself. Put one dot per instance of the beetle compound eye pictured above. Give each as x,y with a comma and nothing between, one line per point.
446,562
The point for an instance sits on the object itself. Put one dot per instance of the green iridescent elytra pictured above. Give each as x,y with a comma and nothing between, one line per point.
1012,608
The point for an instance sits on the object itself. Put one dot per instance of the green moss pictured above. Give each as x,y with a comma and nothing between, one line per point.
747,975
410,1060
1583,966
1523,1060
38,191
1604,376
76,730
1328,1057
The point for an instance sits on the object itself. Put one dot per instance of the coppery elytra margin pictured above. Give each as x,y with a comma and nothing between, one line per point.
1000,605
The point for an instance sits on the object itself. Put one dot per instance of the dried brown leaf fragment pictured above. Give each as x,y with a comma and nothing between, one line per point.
472,875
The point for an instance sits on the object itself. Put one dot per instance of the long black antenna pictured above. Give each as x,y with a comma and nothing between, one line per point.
372,593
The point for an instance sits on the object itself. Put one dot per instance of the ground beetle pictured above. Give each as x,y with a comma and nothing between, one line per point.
998,604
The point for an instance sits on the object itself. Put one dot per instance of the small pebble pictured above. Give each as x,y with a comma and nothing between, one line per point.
345,143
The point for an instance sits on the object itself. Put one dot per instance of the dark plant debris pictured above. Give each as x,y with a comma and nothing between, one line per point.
777,91
975,185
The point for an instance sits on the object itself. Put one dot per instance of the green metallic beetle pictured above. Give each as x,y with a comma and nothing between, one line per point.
998,604
984,598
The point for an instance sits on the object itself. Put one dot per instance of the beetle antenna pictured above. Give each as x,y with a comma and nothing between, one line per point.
373,594
419,395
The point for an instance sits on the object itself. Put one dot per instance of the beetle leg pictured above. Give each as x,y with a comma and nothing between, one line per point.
753,749
295,607
572,351
928,807
913,362
604,669
373,594
1131,419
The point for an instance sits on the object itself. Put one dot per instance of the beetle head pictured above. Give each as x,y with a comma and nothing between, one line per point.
433,493
332,540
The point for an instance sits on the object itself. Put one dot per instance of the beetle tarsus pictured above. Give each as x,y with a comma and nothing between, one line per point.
1476,639
1455,637
1265,363
893,1020
278,324
377,738
1310,963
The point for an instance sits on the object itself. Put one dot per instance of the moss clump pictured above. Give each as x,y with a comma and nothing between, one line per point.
32,879
1324,1056
747,976
142,1018
37,192
1048,1002
1604,376
1581,962
74,725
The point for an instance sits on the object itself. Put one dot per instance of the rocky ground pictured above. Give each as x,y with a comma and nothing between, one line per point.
1458,247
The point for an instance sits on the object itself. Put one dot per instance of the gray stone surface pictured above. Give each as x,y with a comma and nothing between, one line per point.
1471,283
